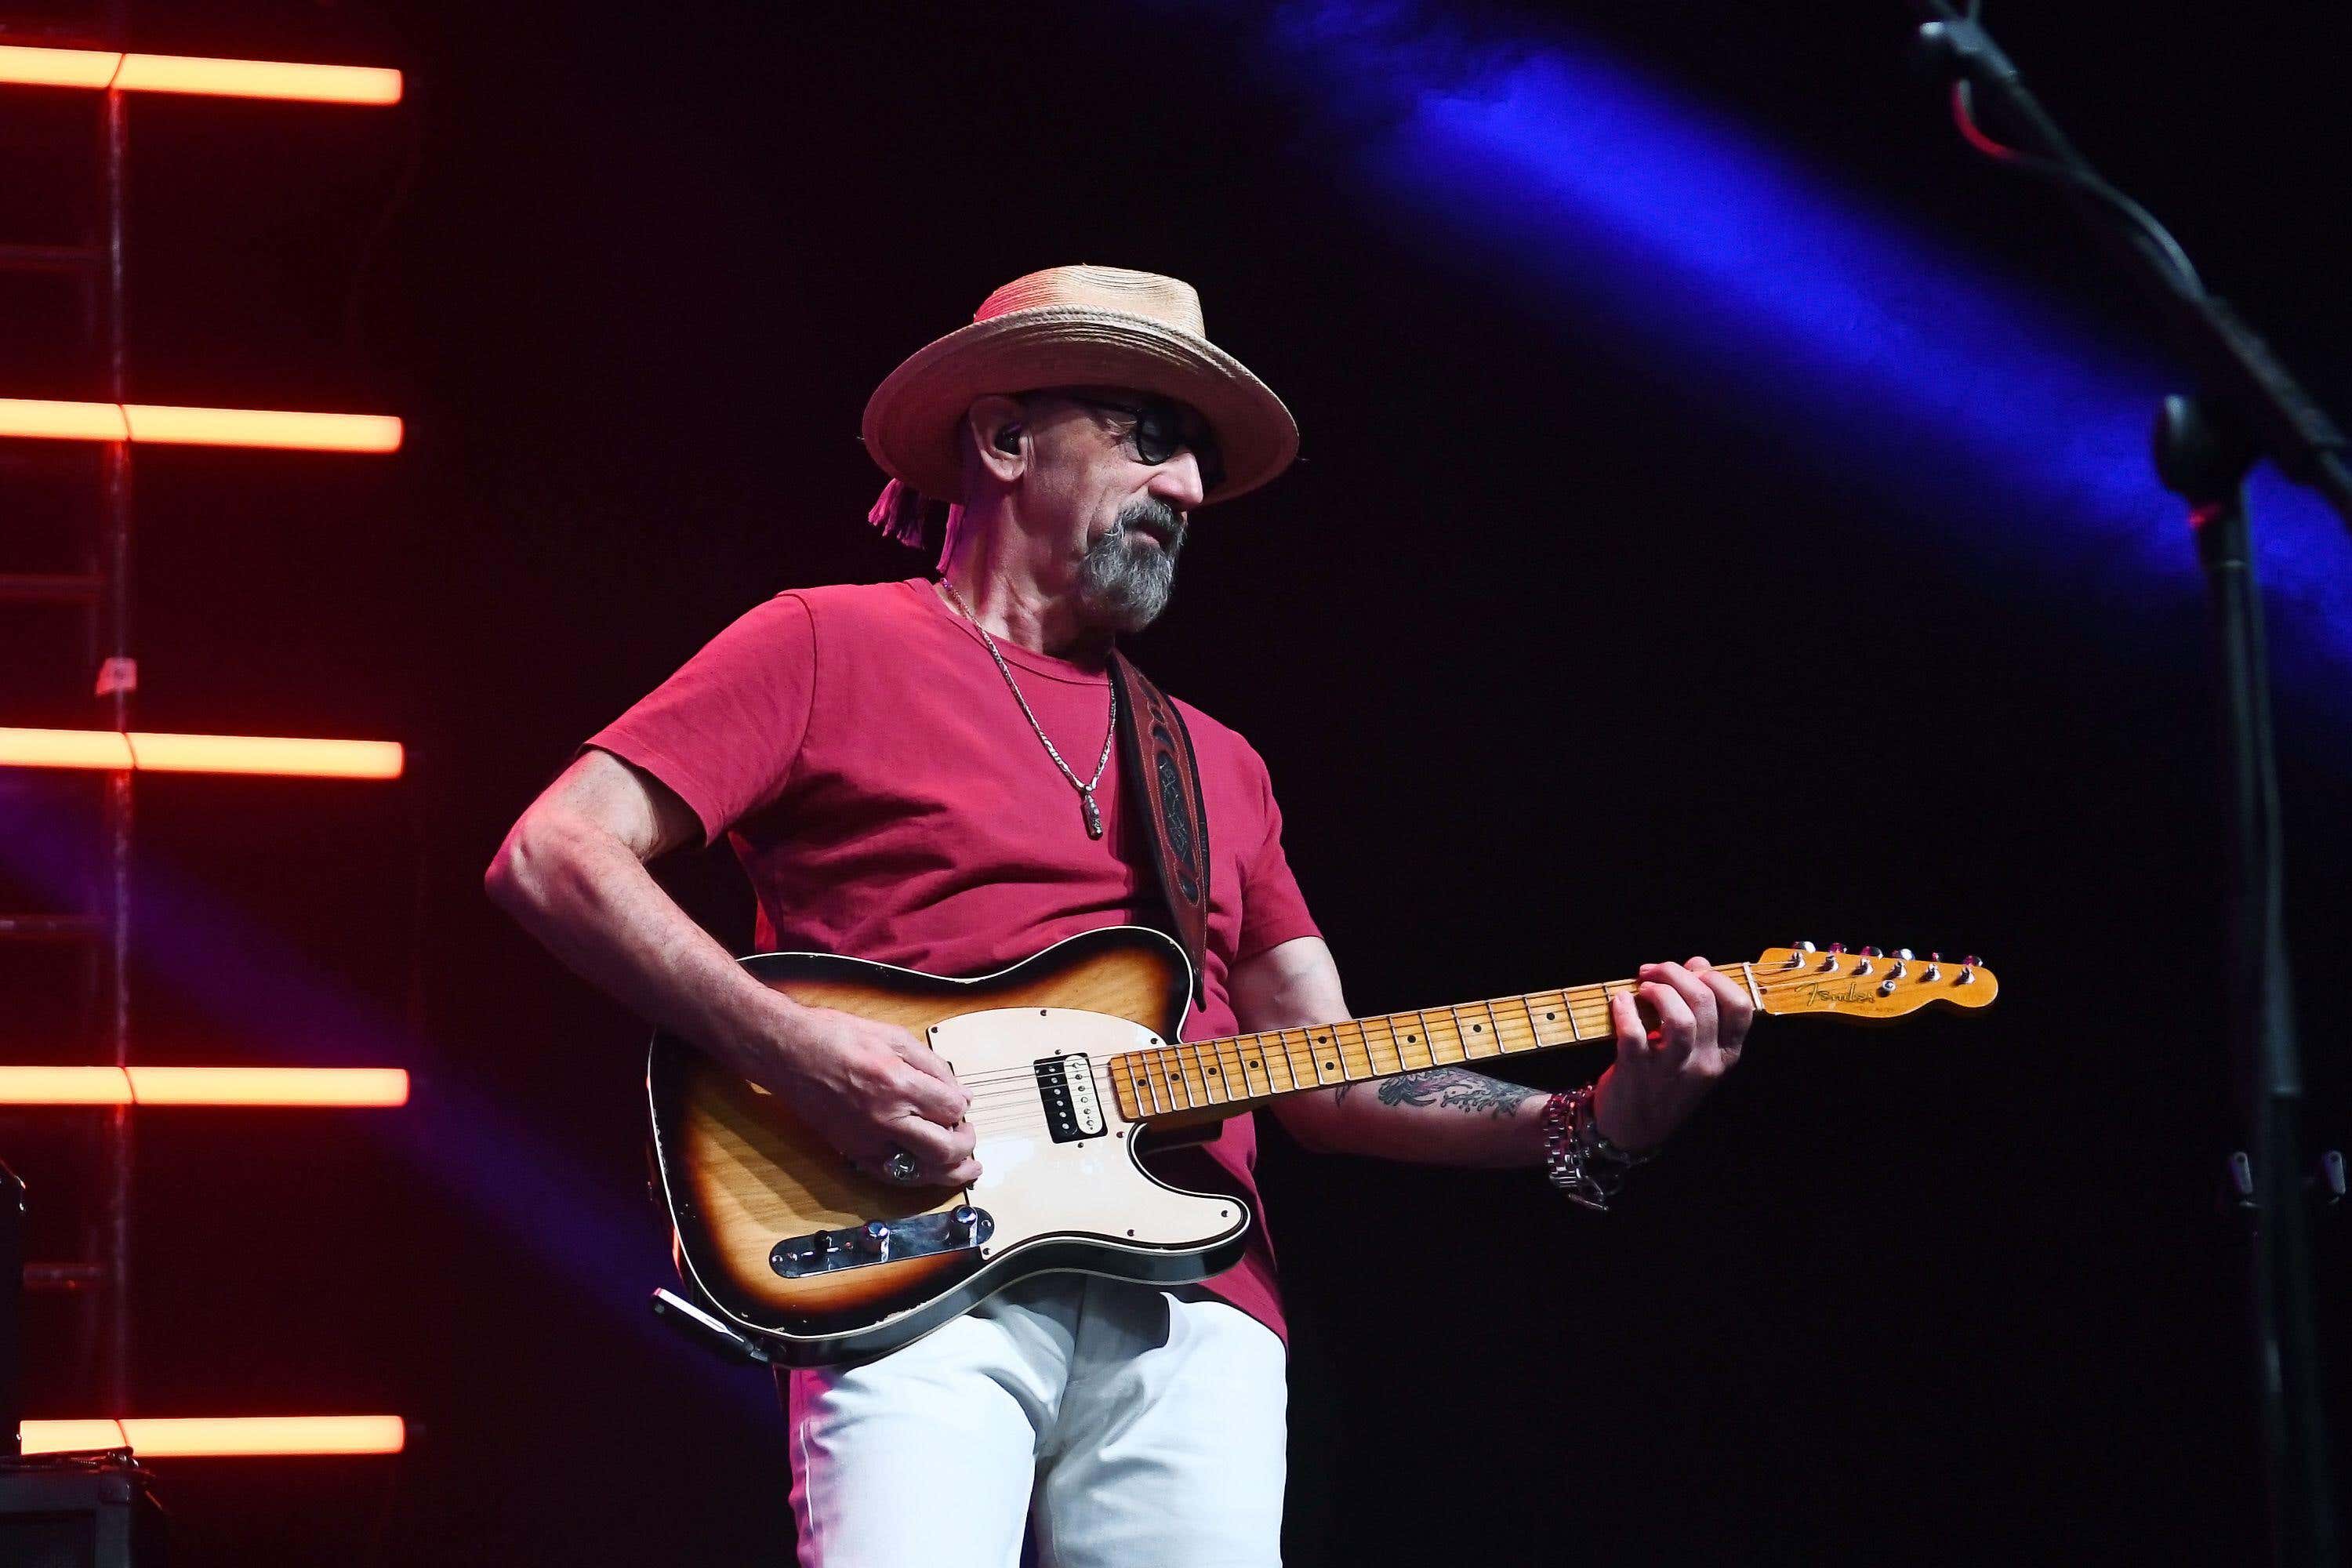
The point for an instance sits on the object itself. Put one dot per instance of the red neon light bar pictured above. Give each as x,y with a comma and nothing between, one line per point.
119,750
181,1437
44,419
103,68
203,1086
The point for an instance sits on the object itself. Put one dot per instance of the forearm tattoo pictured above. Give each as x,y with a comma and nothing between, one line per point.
1455,1089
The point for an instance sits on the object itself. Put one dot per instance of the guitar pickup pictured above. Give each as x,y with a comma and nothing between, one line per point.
1072,1109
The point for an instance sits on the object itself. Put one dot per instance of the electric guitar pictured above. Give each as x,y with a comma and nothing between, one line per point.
1073,1059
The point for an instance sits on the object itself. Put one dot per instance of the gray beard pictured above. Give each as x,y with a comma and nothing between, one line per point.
1125,579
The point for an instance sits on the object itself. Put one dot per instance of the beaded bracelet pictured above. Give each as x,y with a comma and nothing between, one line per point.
1578,1160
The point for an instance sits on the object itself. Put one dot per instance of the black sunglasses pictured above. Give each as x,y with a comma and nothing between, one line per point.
1163,427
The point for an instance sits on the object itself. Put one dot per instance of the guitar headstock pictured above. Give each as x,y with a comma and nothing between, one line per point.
1869,983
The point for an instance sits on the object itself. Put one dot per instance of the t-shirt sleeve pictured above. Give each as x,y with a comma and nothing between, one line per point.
724,731
1273,909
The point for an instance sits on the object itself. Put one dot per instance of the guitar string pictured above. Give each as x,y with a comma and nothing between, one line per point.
1193,1085
1211,1072
1014,1074
1004,1111
1773,983
1019,1080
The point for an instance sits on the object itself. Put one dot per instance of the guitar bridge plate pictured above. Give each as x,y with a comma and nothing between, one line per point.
917,1236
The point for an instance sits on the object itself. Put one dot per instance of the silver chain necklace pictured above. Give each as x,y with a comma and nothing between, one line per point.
1086,791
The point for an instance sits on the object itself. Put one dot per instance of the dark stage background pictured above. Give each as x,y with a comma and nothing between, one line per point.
1560,663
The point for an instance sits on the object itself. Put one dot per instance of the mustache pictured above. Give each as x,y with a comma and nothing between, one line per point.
1158,519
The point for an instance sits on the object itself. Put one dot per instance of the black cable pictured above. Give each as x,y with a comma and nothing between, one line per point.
2090,185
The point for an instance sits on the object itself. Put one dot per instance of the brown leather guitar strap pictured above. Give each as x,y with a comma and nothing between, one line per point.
1164,792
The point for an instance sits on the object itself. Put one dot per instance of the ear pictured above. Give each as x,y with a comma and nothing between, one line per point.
1000,436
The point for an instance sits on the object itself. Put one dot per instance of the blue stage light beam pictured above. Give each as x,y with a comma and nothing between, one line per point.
1673,237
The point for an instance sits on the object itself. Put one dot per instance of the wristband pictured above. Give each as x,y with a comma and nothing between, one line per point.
1585,1166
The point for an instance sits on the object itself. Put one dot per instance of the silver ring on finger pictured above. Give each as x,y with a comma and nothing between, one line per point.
900,1166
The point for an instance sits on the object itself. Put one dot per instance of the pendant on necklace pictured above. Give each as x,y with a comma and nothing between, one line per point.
1093,814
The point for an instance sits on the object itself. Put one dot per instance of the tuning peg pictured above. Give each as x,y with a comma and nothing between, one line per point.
1903,953
1973,961
1837,947
1967,975
1806,947
1871,953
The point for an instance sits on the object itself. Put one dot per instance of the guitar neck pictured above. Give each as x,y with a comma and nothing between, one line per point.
1197,1078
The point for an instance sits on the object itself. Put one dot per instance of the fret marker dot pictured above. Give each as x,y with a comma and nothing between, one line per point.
1551,1014
1477,1028
1410,1039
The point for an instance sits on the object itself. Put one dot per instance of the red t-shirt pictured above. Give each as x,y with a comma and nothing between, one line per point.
889,801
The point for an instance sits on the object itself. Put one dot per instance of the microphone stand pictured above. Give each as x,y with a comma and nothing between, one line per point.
2246,406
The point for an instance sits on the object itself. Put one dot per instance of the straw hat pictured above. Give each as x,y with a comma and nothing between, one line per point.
1072,326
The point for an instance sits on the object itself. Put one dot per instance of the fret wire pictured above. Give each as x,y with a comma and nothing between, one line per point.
1257,1047
1338,1043
1335,1064
1179,1095
1363,1044
1232,1073
1502,1040
1211,1070
1282,1055
1451,1018
1396,1052
1455,1048
1290,1056
1196,1078
1182,1079
1428,1047
1534,1034
1403,1063
1241,1065
1152,1081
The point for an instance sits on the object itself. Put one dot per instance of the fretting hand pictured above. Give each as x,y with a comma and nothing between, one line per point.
1677,1032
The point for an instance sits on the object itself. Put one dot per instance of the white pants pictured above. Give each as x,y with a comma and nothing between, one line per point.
1131,1428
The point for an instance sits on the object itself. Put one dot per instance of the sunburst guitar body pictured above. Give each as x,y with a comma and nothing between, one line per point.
1075,1063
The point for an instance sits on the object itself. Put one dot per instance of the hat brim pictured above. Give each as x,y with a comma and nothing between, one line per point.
911,425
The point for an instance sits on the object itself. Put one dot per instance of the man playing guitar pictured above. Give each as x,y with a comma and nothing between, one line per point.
894,764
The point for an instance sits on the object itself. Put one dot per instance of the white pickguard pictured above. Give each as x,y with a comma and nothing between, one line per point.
1035,1187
